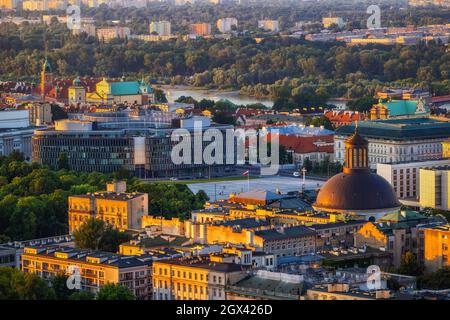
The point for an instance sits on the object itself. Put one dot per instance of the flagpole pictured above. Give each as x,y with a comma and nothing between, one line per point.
248,181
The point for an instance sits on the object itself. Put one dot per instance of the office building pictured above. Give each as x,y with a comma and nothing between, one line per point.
114,206
404,176
397,140
139,141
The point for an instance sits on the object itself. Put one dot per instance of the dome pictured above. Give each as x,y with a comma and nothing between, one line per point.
356,192
77,82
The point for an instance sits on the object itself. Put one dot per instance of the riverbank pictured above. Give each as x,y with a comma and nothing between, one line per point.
199,93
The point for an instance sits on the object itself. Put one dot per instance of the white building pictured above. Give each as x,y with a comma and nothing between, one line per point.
226,24
269,25
397,140
161,28
405,177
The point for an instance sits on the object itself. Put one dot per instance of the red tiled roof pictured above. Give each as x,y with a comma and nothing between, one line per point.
440,99
306,144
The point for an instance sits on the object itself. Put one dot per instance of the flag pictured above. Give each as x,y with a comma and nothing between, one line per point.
246,173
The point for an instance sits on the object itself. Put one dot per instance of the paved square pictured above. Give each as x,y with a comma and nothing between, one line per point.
221,190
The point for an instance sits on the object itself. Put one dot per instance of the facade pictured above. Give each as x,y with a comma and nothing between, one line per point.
7,257
161,28
194,279
446,149
336,234
329,21
96,268
200,29
40,113
116,207
269,25
340,118
395,233
343,291
357,190
436,247
281,241
399,108
397,140
226,24
435,187
108,34
404,176
109,142
7,4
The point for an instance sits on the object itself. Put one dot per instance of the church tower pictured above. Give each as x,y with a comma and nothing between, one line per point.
356,154
46,77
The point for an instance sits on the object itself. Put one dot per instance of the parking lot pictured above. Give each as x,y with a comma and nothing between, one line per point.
222,189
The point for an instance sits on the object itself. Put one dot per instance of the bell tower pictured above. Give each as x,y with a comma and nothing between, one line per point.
46,77
356,153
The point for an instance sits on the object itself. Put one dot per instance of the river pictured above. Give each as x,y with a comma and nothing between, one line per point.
174,92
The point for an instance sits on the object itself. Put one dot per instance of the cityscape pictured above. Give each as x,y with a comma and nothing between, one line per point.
224,150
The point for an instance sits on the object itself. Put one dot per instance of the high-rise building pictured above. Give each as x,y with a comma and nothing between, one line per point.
226,24
200,29
161,28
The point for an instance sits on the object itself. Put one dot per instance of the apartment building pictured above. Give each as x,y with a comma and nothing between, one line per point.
161,28
200,29
196,278
405,176
94,267
226,24
108,34
114,206
269,25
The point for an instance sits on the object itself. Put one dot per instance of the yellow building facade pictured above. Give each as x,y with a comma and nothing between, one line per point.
95,269
436,247
122,210
435,188
193,279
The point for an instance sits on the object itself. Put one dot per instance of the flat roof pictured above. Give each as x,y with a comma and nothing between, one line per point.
110,195
204,262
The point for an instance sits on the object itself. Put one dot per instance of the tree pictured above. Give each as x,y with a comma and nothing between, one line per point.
409,265
113,291
95,234
308,165
16,285
63,161
59,285
81,295
438,280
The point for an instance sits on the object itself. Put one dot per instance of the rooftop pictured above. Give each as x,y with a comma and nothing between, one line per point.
285,233
110,195
203,262
399,129
87,256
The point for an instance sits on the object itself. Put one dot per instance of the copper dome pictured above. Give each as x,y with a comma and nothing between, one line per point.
356,191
